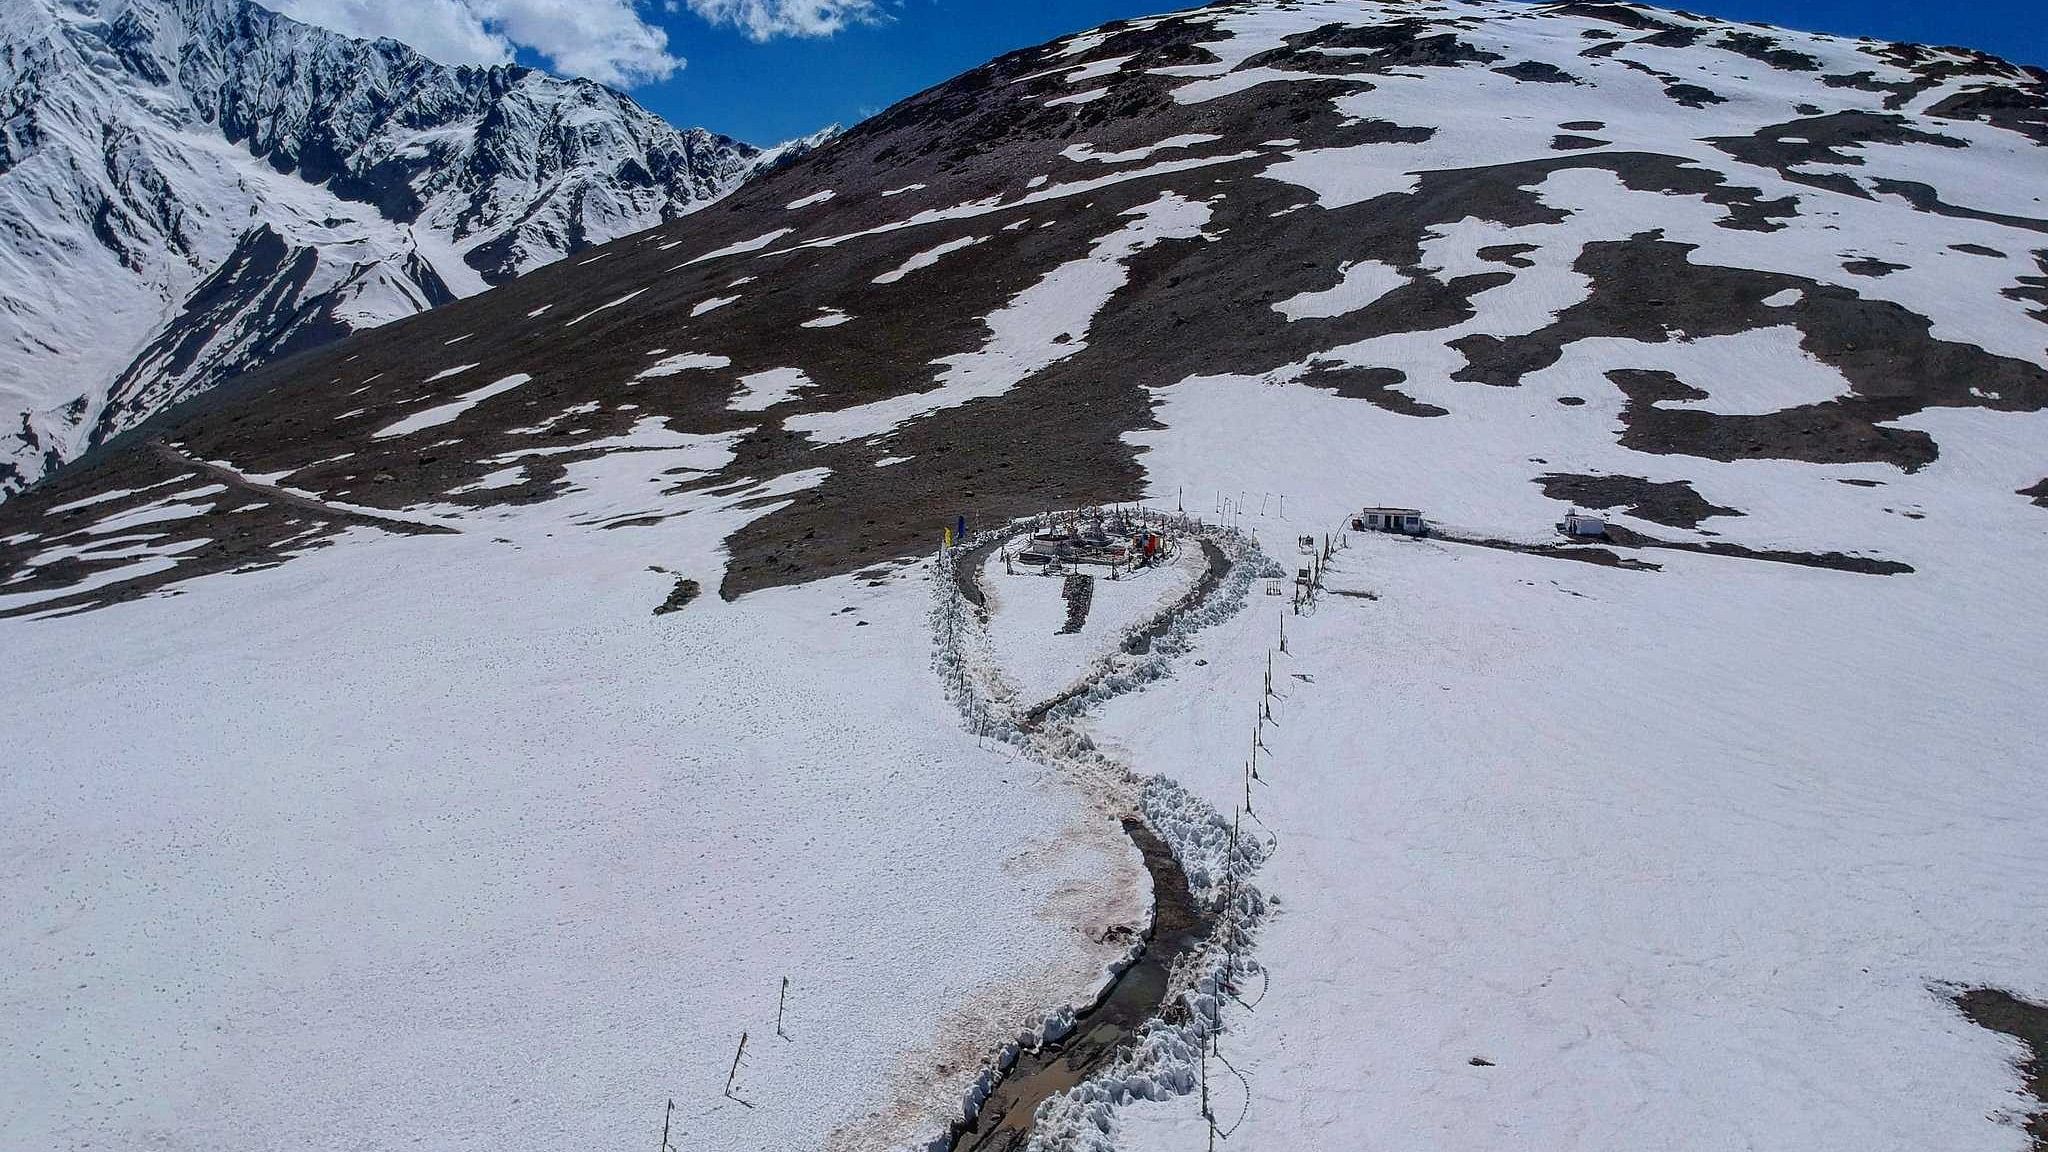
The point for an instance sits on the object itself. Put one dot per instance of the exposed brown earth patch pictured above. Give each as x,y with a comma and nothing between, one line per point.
1373,385
1537,72
1897,93
2021,110
1647,289
1832,561
1581,553
685,591
1766,50
2033,289
1926,199
1624,15
2027,1023
1371,48
1681,92
1828,140
1672,503
1512,255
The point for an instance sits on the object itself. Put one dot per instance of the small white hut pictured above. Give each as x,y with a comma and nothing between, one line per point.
1404,520
1578,524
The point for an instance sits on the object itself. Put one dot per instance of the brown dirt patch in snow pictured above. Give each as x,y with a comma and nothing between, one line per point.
1373,385
1672,503
2027,1023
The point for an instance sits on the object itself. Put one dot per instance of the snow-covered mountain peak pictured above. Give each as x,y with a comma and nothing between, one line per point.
147,141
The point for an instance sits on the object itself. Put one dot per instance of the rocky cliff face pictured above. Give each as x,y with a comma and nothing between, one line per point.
190,188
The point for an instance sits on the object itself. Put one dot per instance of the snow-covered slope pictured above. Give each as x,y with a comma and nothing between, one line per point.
456,738
189,188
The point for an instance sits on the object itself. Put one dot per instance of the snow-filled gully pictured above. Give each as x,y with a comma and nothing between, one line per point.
1146,1033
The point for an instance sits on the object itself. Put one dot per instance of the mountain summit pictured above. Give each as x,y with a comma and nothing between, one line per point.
1424,211
189,188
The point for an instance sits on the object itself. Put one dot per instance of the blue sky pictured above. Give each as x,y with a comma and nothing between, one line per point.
768,70
764,92
770,91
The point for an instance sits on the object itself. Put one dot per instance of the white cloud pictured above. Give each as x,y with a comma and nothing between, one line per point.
767,19
605,40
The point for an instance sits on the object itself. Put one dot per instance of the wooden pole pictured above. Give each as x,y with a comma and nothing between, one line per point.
782,1000
1206,1114
665,1118
735,1069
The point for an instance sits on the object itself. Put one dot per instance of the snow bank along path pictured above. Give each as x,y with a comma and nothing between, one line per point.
1147,1035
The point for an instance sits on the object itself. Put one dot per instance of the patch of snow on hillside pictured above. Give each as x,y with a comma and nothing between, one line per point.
1078,97
762,390
743,246
443,413
927,258
1096,69
1752,373
1086,152
445,373
106,497
1040,326
814,198
826,318
711,305
602,307
500,478
1362,283
683,362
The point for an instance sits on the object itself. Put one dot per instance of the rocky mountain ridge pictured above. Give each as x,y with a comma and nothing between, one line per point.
191,188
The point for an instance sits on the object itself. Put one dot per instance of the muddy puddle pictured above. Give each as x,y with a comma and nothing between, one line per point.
1103,1032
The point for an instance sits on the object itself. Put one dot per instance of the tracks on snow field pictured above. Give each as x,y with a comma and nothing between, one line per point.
275,494
1145,1033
